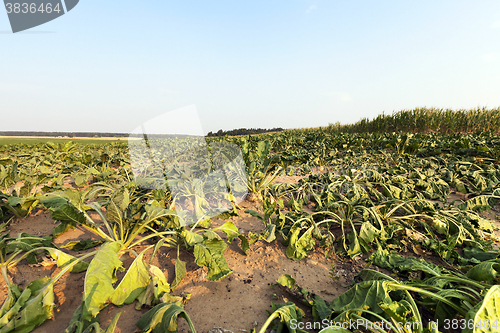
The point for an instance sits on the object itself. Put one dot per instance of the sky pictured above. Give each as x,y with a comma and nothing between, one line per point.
110,66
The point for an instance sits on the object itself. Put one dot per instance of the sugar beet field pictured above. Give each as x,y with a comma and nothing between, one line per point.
359,228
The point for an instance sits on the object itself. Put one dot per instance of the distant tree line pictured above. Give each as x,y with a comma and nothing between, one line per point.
245,131
241,131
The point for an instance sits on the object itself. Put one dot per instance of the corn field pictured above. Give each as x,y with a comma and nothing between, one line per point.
425,120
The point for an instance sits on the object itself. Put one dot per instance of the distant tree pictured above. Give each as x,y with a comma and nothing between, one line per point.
245,131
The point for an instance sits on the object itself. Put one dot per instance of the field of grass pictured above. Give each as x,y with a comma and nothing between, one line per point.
4,140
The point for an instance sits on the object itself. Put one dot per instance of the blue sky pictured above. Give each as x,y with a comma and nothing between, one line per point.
109,66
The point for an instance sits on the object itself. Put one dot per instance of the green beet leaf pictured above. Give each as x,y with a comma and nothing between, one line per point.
285,312
485,315
63,259
320,309
395,262
230,230
133,283
163,319
157,287
191,238
364,294
68,213
299,247
486,271
101,275
37,309
81,245
397,310
180,272
14,291
479,254
245,244
210,254
16,307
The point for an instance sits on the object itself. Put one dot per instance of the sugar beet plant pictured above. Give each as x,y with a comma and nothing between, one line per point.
132,219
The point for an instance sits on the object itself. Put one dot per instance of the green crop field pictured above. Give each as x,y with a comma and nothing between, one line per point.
414,206
33,141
